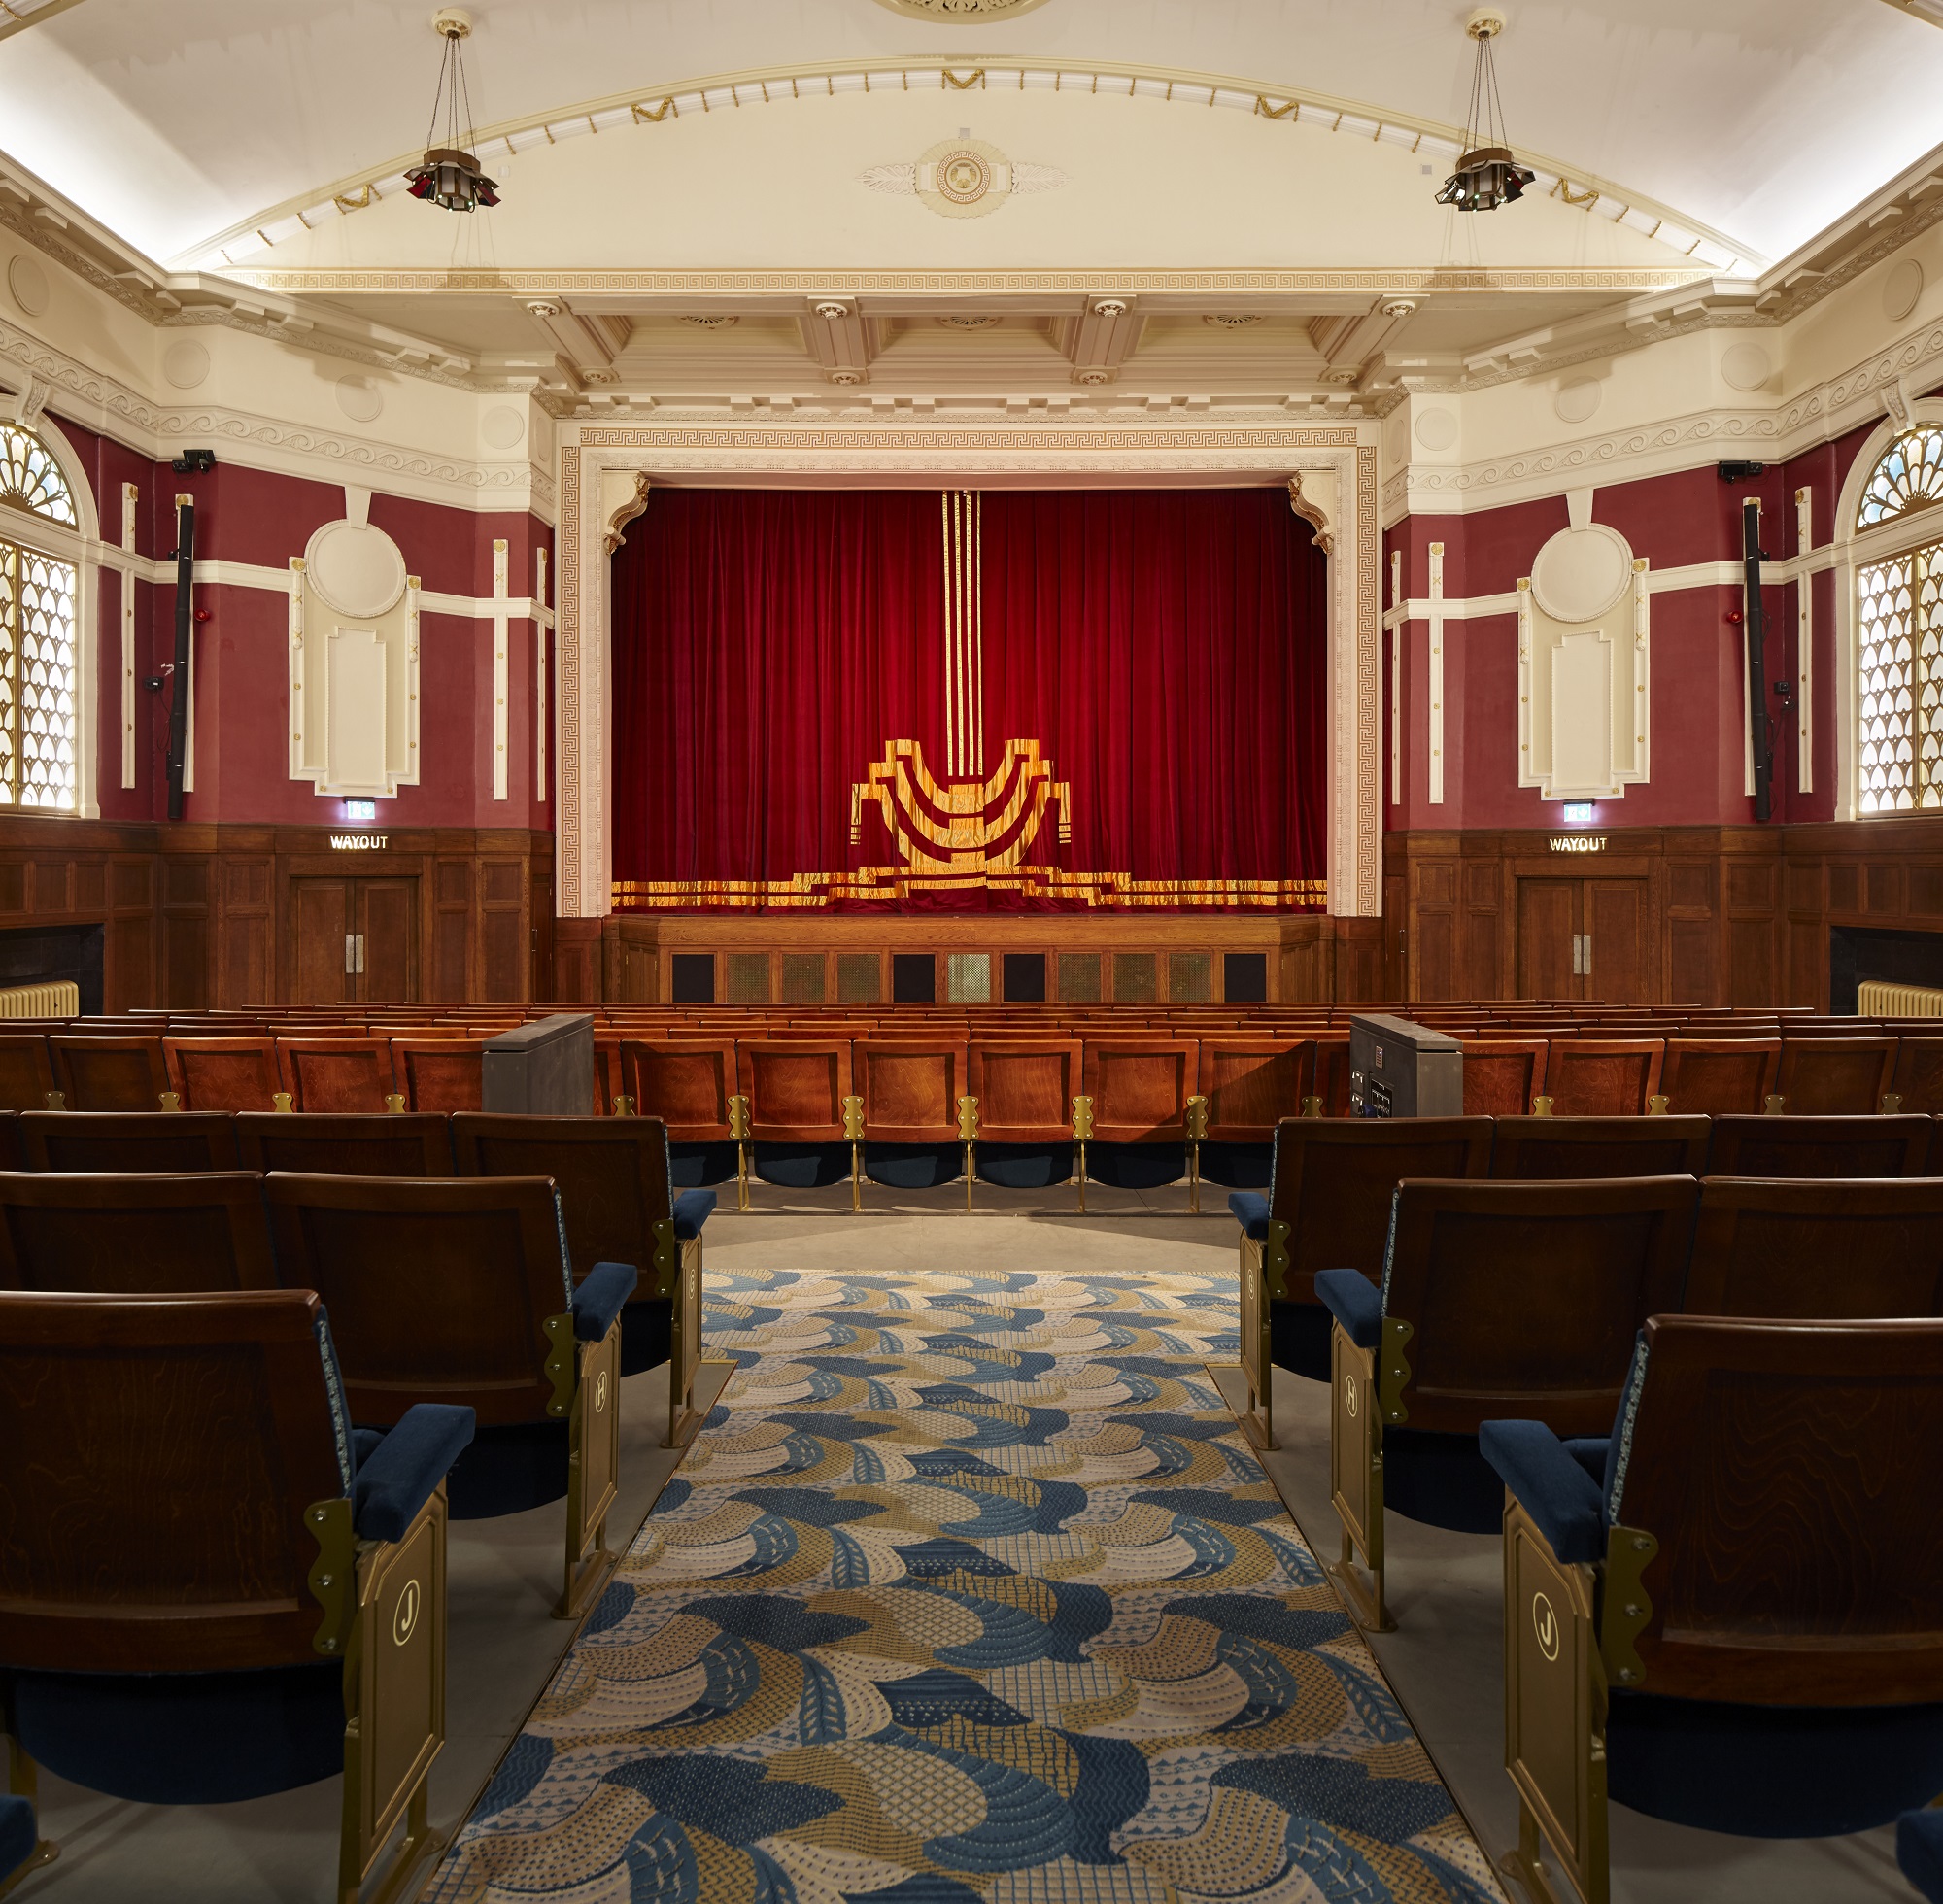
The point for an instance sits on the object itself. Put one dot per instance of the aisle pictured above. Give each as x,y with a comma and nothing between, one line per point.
971,1590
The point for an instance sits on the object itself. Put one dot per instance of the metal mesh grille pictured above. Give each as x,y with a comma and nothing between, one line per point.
748,977
803,977
1135,982
1190,976
968,978
860,979
1079,976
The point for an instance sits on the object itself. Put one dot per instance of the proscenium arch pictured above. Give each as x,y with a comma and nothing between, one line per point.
641,109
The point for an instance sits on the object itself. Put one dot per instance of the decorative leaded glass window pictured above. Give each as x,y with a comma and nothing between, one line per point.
1909,477
39,693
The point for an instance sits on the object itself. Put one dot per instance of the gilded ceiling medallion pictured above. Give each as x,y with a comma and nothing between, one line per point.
963,178
961,12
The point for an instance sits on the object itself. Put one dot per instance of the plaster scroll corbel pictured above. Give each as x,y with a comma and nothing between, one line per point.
1896,401
1312,495
24,409
624,496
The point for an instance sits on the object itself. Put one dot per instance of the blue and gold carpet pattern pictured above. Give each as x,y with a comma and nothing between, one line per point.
968,1590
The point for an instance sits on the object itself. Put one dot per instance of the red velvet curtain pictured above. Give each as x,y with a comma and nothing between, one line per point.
1164,649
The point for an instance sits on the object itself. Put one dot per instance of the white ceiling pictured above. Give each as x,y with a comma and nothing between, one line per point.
173,120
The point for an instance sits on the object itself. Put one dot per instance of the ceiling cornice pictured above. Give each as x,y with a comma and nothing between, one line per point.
17,16
655,105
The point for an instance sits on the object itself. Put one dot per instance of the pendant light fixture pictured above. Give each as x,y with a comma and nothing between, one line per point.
1487,176
450,175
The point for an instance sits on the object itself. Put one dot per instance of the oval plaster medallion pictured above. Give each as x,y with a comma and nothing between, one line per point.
357,568
961,12
1581,572
1577,400
1746,366
186,364
1901,289
503,426
360,398
29,284
1437,430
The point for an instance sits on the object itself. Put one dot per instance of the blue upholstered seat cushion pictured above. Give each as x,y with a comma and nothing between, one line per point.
1251,1212
598,1301
1353,1299
16,1835
691,1164
800,1166
1237,1166
913,1166
1918,1850
1299,1336
1136,1166
692,1210
646,1334
1024,1166
1551,1484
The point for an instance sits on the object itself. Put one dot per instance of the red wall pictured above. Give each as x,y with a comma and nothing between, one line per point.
241,659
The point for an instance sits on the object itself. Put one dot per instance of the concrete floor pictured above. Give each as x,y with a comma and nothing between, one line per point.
1443,1661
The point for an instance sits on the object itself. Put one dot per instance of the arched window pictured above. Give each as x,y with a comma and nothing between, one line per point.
40,695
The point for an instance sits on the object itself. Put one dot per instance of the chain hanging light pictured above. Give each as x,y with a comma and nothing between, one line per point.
450,175
1487,176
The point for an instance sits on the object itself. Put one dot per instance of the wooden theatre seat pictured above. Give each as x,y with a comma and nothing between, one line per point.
1833,1076
224,1073
124,1235
1332,1073
26,1071
802,1120
690,1086
1139,1093
1551,1147
1498,1300
460,1291
919,1119
1818,1146
338,1074
127,1141
1739,1626
439,1074
355,1144
1502,1076
1329,1206
612,1176
98,1073
1027,1092
209,1590
1809,1248
1250,1084
1602,1077
1718,1077
1917,1082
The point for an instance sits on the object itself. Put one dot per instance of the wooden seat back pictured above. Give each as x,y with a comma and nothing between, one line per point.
1502,1076
443,1074
1524,1298
1718,1077
1140,1087
1332,1072
26,1071
1553,1147
1025,1087
910,1087
1833,1076
224,1073
1602,1077
1917,1082
1335,1179
1788,1478
438,1289
1251,1083
686,1082
1818,1146
795,1087
612,1176
336,1073
131,1236
128,1141
1812,1248
94,1072
161,1453
353,1145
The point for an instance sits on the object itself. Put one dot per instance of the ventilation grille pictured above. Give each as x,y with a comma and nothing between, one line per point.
860,979
1079,977
803,977
1190,977
968,978
1135,979
748,976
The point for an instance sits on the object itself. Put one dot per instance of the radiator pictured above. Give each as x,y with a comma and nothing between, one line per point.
1876,1000
63,1001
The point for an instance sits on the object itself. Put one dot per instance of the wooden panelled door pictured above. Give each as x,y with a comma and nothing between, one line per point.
1583,939
353,941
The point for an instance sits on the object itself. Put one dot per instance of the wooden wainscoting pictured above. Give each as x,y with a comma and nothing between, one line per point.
1674,915
200,917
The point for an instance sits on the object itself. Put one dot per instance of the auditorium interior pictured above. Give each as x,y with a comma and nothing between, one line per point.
1034,808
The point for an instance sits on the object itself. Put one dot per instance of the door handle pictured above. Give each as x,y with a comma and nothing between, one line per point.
361,952
1581,955
350,952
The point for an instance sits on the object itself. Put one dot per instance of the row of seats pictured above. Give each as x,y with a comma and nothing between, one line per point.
1702,1413
239,1408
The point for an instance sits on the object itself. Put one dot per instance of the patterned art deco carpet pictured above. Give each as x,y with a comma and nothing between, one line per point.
970,1590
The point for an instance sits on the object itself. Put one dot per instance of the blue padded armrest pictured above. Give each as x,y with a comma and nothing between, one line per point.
598,1301
16,1835
1355,1302
396,1478
1551,1483
1251,1212
1592,1452
692,1210
364,1443
1918,1850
